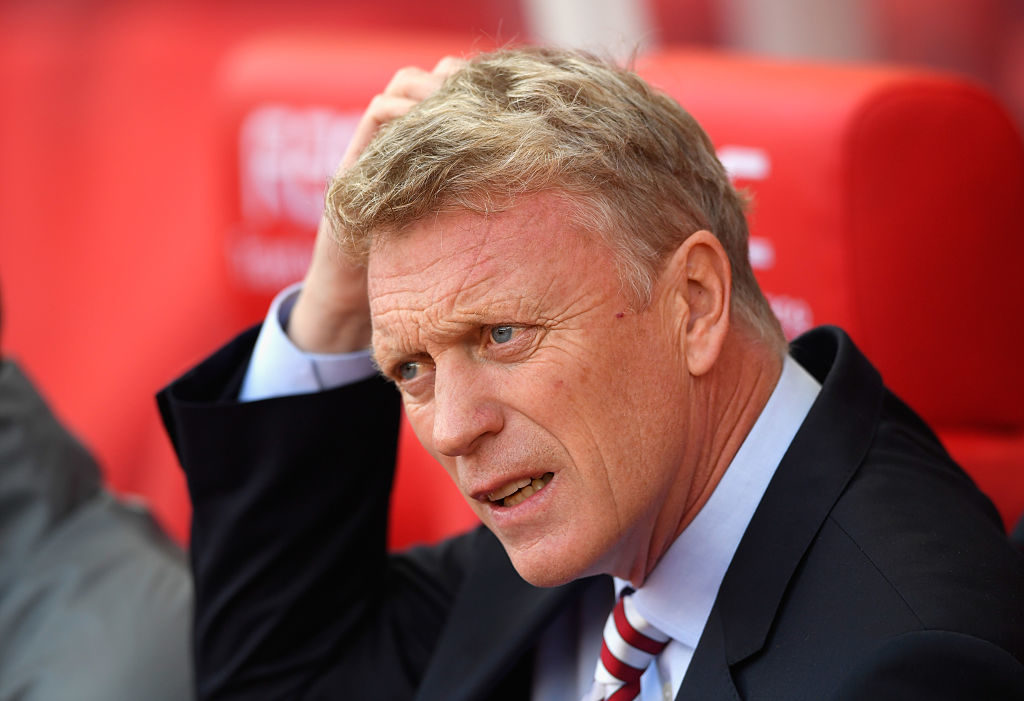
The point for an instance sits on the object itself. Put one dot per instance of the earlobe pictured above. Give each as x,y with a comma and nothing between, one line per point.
701,280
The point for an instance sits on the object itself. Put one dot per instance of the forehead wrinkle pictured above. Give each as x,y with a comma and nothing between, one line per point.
483,267
472,284
425,326
387,343
456,303
501,283
561,299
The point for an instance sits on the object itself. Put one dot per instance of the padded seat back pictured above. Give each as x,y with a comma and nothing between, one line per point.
289,105
889,202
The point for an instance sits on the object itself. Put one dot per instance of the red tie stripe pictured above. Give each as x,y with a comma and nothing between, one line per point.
634,637
629,645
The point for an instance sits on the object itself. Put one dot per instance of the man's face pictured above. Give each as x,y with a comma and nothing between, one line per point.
521,362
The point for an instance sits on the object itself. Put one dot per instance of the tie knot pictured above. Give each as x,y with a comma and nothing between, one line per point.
630,643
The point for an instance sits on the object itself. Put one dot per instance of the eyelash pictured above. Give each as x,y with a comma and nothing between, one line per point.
399,369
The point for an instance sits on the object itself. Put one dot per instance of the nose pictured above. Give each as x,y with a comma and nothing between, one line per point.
465,410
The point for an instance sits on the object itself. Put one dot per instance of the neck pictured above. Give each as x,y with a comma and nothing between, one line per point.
725,405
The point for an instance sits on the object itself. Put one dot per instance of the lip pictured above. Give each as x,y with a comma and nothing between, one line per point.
480,493
504,517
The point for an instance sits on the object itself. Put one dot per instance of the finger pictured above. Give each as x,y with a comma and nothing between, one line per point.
448,65
409,86
413,83
382,109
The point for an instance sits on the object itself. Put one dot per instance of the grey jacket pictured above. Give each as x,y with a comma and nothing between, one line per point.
95,602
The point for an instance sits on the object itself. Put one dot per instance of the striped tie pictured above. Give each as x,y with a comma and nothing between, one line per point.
630,643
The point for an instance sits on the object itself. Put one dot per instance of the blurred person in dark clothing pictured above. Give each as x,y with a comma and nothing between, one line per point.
95,600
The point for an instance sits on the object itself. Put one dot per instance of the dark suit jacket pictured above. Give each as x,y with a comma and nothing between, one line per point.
872,569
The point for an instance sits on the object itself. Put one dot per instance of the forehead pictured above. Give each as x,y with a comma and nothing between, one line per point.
463,262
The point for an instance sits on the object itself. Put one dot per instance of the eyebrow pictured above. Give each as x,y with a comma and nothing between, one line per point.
504,309
380,357
374,361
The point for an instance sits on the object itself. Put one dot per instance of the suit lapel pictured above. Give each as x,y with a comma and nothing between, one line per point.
494,621
497,616
708,676
813,474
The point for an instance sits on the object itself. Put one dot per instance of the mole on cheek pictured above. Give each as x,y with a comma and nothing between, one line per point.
620,315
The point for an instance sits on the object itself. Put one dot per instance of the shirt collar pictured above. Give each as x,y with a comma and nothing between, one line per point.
679,594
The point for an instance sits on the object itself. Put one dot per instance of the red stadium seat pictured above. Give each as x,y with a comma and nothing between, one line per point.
690,22
889,202
128,252
869,185
289,104
967,36
113,282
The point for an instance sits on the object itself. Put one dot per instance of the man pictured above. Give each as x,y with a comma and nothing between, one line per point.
95,601
558,285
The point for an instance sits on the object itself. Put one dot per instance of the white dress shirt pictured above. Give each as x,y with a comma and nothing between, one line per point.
681,590
278,368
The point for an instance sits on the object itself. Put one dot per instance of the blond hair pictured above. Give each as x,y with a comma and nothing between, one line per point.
636,169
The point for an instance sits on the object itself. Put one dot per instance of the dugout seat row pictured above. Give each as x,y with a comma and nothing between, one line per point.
887,201
884,200
134,237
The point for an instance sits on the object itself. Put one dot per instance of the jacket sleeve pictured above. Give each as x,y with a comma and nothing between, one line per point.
294,586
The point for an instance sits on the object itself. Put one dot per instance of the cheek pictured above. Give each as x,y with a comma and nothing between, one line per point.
421,418
621,412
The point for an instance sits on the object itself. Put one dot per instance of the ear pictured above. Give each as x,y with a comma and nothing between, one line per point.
698,278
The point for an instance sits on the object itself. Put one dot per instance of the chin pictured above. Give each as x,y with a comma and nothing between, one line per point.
551,566
545,577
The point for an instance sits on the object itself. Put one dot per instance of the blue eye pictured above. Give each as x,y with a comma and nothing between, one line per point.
502,334
408,371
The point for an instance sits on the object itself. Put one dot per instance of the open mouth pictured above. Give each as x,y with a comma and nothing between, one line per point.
518,491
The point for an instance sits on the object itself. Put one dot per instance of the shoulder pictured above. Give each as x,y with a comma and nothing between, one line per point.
876,535
935,665
917,525
102,610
